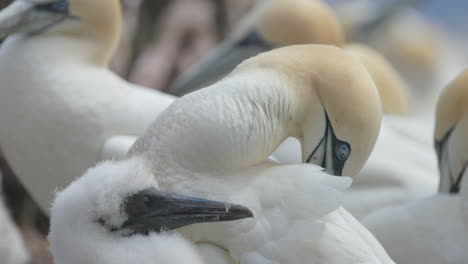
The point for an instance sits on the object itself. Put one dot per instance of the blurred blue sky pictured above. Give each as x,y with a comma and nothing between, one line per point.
451,13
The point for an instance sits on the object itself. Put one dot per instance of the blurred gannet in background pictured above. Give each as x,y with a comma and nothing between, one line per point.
62,110
434,230
214,143
392,89
269,25
12,249
423,53
110,217
402,166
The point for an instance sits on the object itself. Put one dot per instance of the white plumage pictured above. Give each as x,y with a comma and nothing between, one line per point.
401,168
62,110
214,144
76,237
434,229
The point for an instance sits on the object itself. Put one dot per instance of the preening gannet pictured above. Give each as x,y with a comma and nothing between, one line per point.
61,109
12,250
269,25
402,165
110,217
434,230
214,143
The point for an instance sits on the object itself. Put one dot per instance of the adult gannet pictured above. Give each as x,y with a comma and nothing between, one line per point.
12,249
390,176
214,143
269,25
110,217
61,108
434,230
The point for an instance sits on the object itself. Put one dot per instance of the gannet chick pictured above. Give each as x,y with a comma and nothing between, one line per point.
110,216
12,249
442,236
62,110
215,142
271,24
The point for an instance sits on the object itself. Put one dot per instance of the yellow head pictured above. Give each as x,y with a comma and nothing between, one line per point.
96,23
392,89
272,24
289,22
337,103
450,133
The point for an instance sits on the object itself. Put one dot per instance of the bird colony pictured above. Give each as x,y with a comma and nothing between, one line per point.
289,144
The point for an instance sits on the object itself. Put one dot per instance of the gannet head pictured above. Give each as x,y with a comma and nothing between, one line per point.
393,91
271,24
450,134
338,108
116,213
95,21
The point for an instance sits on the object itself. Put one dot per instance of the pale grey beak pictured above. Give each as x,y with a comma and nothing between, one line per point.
449,180
331,153
223,60
26,17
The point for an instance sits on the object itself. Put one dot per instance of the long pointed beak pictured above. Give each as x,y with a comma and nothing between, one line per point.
152,210
224,59
330,153
26,17
449,180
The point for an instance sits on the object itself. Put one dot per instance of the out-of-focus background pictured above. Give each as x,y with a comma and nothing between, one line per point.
163,38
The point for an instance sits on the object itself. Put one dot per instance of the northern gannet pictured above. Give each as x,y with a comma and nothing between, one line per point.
435,229
12,249
390,176
269,25
214,143
110,217
62,110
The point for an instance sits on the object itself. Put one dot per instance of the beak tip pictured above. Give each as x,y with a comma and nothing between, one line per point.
240,211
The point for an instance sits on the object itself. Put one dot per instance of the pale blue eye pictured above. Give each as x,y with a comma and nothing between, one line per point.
343,152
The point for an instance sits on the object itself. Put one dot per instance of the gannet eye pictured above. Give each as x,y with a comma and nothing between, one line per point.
343,152
55,7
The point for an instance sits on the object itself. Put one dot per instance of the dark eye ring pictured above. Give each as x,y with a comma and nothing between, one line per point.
343,152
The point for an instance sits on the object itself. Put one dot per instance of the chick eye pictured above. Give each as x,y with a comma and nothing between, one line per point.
55,7
343,152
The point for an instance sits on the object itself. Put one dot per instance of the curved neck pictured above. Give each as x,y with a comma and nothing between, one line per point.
233,124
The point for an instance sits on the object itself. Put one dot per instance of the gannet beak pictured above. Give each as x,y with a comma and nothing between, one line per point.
331,153
227,56
449,183
153,210
28,17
